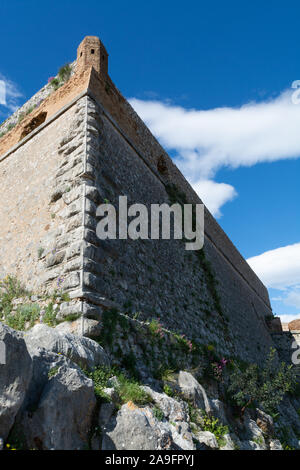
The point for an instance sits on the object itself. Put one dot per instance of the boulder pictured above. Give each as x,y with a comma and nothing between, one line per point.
193,391
218,410
206,440
15,375
275,444
63,417
136,428
264,422
83,351
228,443
177,415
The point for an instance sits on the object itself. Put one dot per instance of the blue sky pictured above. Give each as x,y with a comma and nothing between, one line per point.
233,64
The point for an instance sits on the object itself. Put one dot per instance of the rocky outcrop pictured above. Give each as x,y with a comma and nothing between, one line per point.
48,401
15,376
83,351
45,398
62,420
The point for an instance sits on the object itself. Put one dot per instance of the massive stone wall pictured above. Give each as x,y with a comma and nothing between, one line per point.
93,147
159,279
39,184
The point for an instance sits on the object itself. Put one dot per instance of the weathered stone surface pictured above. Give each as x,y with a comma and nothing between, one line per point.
192,390
136,429
83,351
105,413
176,413
15,376
264,422
63,416
88,327
229,443
275,444
207,440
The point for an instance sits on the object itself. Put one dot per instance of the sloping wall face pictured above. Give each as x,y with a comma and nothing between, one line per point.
39,183
110,98
96,149
205,298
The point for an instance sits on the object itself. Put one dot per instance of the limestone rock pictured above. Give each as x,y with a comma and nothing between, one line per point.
136,429
193,391
105,413
63,416
207,440
229,443
83,351
15,376
264,422
176,414
275,444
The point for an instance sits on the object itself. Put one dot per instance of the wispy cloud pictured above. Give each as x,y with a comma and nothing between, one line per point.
205,141
214,195
12,99
280,269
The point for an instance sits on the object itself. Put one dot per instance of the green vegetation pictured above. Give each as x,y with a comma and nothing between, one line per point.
40,252
158,413
213,425
10,289
127,388
168,390
63,76
265,387
52,372
24,318
50,316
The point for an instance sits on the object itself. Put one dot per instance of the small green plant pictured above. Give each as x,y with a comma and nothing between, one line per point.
40,251
55,83
24,318
130,390
266,386
64,73
126,388
214,426
158,413
168,390
50,316
155,328
52,372
10,289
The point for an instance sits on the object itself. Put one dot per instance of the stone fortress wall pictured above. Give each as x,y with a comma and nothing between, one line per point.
93,147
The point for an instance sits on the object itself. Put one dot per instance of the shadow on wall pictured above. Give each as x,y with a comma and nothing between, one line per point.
33,124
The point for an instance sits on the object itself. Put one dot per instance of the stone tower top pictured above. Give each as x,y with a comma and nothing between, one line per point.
91,52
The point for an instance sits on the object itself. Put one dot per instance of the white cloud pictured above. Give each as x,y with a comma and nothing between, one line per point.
279,268
288,318
208,140
214,195
205,141
12,97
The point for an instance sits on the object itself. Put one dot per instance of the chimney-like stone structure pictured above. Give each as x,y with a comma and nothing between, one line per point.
91,52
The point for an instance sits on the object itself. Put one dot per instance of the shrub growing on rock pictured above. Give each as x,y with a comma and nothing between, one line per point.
266,387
